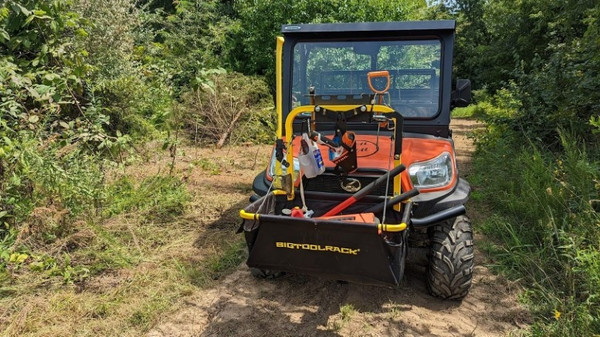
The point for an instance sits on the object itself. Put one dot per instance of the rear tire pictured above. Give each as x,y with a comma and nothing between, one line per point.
265,273
450,269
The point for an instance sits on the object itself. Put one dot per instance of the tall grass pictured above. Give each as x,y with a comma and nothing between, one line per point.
157,198
546,225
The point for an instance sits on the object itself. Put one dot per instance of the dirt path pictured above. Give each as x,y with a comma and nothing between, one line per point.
306,306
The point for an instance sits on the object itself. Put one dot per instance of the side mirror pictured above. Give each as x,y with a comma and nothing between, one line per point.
461,96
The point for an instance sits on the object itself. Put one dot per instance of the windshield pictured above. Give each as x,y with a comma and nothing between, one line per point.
338,71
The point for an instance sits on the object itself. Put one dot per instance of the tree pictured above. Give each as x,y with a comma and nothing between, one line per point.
261,22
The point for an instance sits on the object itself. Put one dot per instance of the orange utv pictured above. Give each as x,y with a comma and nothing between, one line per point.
363,174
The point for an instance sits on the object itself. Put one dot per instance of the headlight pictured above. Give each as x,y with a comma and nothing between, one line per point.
436,172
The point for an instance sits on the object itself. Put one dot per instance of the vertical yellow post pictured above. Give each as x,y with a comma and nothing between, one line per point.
277,178
398,183
397,162
279,83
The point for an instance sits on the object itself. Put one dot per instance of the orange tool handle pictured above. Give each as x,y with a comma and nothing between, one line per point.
375,74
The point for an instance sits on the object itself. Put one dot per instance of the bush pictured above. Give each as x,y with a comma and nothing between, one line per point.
544,52
45,188
546,225
128,83
230,107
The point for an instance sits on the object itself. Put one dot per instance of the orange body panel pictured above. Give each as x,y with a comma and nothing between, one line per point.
377,154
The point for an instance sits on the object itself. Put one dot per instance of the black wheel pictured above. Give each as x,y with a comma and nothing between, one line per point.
450,269
265,273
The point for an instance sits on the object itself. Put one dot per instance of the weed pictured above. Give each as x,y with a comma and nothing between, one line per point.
545,229
229,259
157,198
346,313
467,112
118,274
146,314
208,165
215,266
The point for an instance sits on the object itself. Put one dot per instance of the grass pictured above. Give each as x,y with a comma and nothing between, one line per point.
216,265
346,312
466,112
157,198
157,240
545,230
345,315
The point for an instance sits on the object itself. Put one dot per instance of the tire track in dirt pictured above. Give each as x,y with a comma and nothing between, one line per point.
297,305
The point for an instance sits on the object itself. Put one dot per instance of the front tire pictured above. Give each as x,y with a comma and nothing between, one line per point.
450,269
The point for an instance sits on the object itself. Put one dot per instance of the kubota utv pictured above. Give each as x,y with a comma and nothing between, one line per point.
363,173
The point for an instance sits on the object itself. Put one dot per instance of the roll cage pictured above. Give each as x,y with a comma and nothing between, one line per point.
425,106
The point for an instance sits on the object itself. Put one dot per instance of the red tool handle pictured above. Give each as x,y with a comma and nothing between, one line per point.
365,191
341,206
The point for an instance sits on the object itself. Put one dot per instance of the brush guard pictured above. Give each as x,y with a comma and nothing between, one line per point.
362,252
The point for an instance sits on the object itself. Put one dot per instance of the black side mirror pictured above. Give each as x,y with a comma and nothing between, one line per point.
461,96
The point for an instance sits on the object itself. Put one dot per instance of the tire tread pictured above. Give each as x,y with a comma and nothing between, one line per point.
450,271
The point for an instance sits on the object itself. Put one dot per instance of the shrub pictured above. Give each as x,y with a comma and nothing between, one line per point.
230,107
45,188
128,83
546,225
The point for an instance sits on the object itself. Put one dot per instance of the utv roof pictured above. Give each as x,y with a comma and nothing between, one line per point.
410,27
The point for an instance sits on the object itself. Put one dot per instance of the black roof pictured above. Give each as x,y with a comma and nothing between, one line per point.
361,27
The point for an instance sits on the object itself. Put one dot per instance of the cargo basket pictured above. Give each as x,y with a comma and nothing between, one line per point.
353,247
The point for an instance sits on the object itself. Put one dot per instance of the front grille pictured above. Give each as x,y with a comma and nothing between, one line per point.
331,183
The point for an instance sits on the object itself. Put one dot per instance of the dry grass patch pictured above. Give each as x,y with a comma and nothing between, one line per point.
120,275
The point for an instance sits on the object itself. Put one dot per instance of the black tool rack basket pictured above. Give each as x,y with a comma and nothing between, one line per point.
341,250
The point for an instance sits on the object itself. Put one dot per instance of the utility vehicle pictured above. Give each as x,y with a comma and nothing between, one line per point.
363,174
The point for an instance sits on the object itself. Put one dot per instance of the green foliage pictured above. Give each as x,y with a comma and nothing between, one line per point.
60,177
539,160
40,70
192,36
156,198
595,122
546,225
229,106
224,261
544,52
133,106
227,260
127,81
261,23
466,112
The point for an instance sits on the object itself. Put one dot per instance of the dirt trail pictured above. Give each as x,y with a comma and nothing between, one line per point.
297,305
